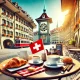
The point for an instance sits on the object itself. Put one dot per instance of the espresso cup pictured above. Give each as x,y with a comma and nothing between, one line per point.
53,60
36,59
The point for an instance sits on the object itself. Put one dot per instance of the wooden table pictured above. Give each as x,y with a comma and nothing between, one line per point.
76,53
48,74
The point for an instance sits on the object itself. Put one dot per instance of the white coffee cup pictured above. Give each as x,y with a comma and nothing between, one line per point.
36,59
53,60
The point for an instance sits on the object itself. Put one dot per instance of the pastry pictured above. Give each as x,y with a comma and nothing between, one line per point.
67,60
31,69
15,62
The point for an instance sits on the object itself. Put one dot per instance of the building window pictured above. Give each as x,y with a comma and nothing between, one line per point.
16,33
16,18
16,26
3,32
19,34
4,22
11,33
11,16
19,27
22,28
8,24
3,11
12,24
8,14
8,32
22,35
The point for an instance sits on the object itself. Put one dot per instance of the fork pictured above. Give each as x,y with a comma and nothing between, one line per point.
67,68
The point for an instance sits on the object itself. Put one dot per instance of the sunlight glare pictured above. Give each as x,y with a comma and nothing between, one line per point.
61,17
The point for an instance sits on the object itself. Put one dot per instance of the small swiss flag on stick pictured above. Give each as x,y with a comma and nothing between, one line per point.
36,46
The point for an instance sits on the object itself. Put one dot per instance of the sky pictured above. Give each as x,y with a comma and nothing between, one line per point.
35,8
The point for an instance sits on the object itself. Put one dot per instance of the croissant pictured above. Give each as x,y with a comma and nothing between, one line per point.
15,62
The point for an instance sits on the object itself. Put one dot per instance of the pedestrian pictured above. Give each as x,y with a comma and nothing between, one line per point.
8,45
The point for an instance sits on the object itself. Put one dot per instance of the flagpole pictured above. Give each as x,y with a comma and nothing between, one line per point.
43,54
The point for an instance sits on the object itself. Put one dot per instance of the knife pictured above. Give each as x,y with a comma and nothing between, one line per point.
65,68
69,67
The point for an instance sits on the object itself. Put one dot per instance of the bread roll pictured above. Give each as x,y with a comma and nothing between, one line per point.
31,69
67,60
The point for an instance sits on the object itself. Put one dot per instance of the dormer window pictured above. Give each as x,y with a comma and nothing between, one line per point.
8,14
17,18
3,11
43,16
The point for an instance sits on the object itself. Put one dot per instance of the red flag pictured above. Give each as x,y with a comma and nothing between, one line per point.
36,46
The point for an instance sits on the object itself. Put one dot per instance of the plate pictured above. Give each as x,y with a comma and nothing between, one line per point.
31,62
58,65
15,69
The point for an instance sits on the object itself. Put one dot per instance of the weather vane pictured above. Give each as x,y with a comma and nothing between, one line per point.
44,10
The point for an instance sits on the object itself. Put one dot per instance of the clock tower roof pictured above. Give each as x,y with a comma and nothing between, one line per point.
44,17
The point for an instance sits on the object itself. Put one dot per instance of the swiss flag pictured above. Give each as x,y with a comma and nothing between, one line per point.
36,46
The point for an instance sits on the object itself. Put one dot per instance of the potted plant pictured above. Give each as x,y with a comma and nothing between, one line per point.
72,42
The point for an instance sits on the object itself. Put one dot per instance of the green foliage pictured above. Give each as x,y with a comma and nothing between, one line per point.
72,42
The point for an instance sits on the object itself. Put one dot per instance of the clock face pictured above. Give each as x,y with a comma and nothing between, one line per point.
43,27
43,16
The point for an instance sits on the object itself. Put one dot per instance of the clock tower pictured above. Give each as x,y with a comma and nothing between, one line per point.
43,27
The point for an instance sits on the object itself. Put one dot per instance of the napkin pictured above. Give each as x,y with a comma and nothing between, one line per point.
25,72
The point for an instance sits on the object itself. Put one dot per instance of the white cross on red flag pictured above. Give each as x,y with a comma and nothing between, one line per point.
36,46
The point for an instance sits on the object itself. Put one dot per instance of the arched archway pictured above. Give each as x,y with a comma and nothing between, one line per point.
5,42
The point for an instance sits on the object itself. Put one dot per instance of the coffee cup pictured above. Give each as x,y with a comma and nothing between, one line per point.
36,59
53,60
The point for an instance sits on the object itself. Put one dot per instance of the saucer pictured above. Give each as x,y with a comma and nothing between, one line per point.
39,62
58,65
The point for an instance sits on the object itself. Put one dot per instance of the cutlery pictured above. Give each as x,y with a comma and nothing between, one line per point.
64,69
67,68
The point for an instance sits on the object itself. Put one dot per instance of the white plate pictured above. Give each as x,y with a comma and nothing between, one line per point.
14,69
53,66
31,62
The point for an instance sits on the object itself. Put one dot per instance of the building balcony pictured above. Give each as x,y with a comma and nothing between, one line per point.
8,25
8,35
17,36
8,15
16,27
11,27
4,34
11,17
4,24
4,13
11,36
16,19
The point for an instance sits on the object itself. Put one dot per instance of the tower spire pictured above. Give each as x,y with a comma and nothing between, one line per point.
44,10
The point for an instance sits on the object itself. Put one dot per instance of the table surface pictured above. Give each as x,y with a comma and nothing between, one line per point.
74,49
48,74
